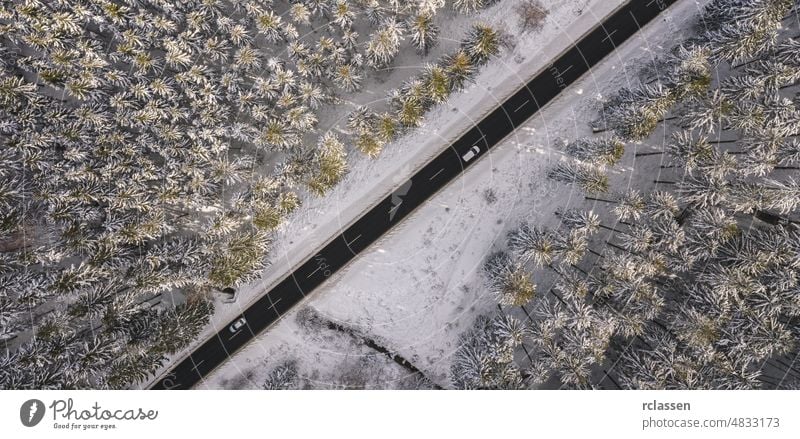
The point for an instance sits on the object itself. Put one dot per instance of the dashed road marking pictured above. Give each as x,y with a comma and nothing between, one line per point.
564,71
523,104
196,365
437,173
274,304
354,240
608,36
312,273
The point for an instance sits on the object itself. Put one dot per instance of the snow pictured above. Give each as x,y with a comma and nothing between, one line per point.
419,288
327,360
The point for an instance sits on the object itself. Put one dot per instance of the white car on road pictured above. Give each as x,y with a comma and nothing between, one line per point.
237,325
471,153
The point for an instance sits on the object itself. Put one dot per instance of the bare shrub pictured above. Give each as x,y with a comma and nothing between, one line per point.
489,196
531,15
505,39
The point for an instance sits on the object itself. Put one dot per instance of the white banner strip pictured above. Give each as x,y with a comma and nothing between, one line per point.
399,414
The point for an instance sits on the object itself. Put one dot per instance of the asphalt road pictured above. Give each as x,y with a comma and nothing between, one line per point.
442,170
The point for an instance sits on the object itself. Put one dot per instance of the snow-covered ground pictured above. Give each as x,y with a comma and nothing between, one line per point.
327,360
420,288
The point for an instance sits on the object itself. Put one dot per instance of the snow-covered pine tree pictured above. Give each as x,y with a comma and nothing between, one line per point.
607,151
485,356
330,164
424,32
588,178
532,244
482,43
384,44
283,377
468,6
508,281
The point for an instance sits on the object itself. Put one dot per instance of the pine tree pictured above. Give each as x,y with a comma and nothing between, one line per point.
580,221
468,6
343,15
630,205
384,44
482,43
346,77
740,30
634,114
269,25
460,67
532,244
424,32
590,179
330,164
240,259
606,151
485,356
283,377
437,83
569,338
507,280
369,144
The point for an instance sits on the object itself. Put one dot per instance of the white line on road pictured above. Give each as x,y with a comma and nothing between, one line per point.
196,365
437,173
523,104
312,273
395,207
274,304
235,334
565,71
609,35
354,240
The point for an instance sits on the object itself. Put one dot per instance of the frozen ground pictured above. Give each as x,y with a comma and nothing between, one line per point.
419,288
328,360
